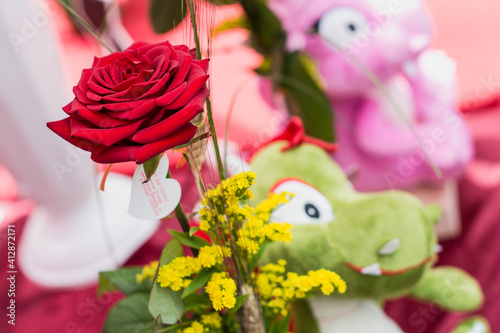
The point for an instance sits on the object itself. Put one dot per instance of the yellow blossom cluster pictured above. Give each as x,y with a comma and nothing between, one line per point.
273,200
177,274
221,290
213,320
221,205
208,323
256,231
277,292
195,327
148,272
278,232
210,256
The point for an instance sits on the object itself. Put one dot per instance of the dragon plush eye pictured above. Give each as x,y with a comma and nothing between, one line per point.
307,206
341,25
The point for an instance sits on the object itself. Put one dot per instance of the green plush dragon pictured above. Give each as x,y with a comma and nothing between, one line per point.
382,244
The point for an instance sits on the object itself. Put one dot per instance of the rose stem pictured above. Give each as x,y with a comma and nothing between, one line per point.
222,175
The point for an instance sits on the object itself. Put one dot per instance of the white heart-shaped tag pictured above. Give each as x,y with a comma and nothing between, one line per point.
156,198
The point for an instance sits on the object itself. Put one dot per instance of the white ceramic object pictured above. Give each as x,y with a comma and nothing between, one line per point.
70,248
64,241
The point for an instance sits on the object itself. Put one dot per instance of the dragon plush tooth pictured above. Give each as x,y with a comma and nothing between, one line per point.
390,247
372,270
382,244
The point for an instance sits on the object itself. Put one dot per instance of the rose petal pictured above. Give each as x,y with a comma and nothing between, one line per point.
141,154
136,46
68,109
148,46
75,107
134,80
180,137
182,71
115,154
94,63
158,65
159,87
174,54
135,92
183,48
171,96
63,129
158,71
125,106
86,75
160,56
203,64
107,78
137,112
114,72
101,119
93,96
167,126
193,87
112,58
81,96
98,88
158,116
106,136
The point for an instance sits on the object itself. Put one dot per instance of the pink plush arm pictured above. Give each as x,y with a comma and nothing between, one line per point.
379,135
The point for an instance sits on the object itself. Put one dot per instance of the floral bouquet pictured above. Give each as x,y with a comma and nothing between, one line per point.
136,104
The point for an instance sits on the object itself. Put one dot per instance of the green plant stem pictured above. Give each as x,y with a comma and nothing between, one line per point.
195,29
85,24
183,220
222,174
181,216
220,166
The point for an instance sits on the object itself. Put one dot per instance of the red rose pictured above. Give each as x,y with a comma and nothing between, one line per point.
135,104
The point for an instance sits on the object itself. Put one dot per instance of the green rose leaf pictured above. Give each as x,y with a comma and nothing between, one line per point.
267,34
191,241
129,315
123,280
153,327
166,14
240,300
194,301
150,167
193,230
306,99
199,281
165,302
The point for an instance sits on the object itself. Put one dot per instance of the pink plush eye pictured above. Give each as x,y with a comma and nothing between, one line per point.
340,26
308,205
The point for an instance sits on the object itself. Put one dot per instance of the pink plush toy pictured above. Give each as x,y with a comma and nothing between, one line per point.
386,135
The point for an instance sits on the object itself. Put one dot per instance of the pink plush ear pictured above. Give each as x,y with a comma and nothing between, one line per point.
295,135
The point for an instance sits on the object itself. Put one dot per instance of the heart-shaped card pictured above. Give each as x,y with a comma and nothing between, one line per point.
156,198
